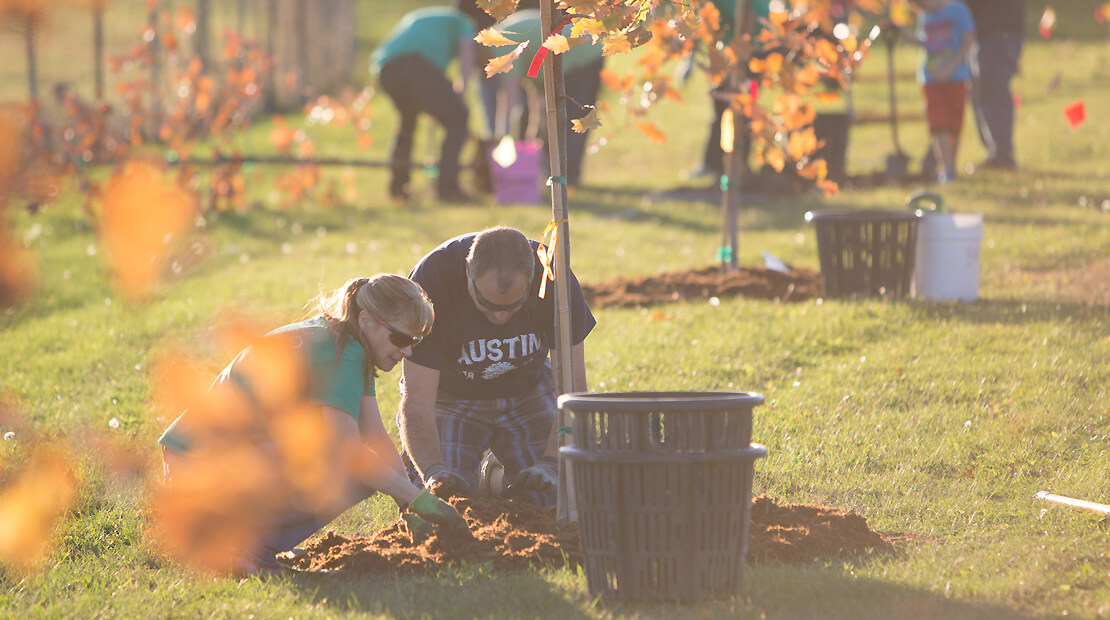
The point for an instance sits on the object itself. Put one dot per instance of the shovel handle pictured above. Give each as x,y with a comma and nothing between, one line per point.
933,200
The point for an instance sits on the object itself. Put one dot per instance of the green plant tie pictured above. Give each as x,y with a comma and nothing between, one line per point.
563,430
431,172
724,182
562,180
724,254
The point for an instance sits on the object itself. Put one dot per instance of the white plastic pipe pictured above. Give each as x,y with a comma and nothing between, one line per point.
1081,504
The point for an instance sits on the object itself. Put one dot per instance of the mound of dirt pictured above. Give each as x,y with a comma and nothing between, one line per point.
797,285
514,536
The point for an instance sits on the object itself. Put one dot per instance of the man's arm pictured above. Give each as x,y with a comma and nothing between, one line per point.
375,436
418,415
466,65
945,71
578,355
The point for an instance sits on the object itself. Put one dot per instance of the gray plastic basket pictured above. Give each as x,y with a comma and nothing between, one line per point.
866,253
662,484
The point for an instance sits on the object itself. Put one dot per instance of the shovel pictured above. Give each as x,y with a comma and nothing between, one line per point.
897,163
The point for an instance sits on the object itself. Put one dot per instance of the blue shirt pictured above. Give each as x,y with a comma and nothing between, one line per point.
943,32
475,358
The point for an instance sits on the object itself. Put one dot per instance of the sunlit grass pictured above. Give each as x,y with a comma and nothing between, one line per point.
936,420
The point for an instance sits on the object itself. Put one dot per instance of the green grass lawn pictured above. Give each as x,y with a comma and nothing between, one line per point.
933,419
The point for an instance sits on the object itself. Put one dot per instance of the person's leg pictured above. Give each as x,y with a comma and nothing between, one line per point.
439,100
277,522
523,429
997,62
943,151
465,432
938,116
286,530
397,82
957,102
582,86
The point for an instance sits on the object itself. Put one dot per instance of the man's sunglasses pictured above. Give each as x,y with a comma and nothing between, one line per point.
399,338
492,307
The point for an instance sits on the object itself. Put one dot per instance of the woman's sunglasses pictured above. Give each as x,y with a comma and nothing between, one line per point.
399,338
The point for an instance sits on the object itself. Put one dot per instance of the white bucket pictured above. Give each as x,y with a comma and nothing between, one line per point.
947,262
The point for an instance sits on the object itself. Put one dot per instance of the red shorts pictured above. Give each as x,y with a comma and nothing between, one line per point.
944,106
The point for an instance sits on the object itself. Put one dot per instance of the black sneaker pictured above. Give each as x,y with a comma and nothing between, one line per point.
999,163
455,196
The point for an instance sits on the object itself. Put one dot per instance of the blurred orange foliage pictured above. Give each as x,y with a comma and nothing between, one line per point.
259,449
145,211
31,504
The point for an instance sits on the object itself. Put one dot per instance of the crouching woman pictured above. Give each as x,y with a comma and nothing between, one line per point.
289,436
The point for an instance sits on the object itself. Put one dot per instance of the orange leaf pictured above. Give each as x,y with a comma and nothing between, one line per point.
816,170
493,38
9,146
18,272
502,64
32,503
498,9
801,144
828,188
586,123
616,45
652,132
775,159
144,211
557,43
774,63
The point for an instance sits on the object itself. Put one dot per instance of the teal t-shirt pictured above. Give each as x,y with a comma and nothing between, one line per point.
433,32
525,25
761,9
336,382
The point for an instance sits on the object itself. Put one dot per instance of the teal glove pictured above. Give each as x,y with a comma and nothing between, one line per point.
419,529
430,508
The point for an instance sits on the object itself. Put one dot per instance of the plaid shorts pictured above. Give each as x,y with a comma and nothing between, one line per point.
515,429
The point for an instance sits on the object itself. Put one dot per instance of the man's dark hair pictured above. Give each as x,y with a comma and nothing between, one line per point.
470,8
503,250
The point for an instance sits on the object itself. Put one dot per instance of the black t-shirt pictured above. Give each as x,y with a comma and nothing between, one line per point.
477,359
997,16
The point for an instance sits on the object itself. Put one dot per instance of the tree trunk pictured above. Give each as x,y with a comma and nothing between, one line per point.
734,164
32,62
155,75
271,74
200,37
562,358
98,50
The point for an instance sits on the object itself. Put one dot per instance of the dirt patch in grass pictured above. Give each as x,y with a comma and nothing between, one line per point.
512,536
701,284
1088,283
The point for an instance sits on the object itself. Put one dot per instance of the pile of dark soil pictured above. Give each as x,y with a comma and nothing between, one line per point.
512,536
797,285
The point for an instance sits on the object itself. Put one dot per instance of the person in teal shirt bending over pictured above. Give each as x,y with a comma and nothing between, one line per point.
411,67
289,436
582,66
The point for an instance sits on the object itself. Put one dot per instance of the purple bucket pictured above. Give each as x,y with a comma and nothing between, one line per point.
518,183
